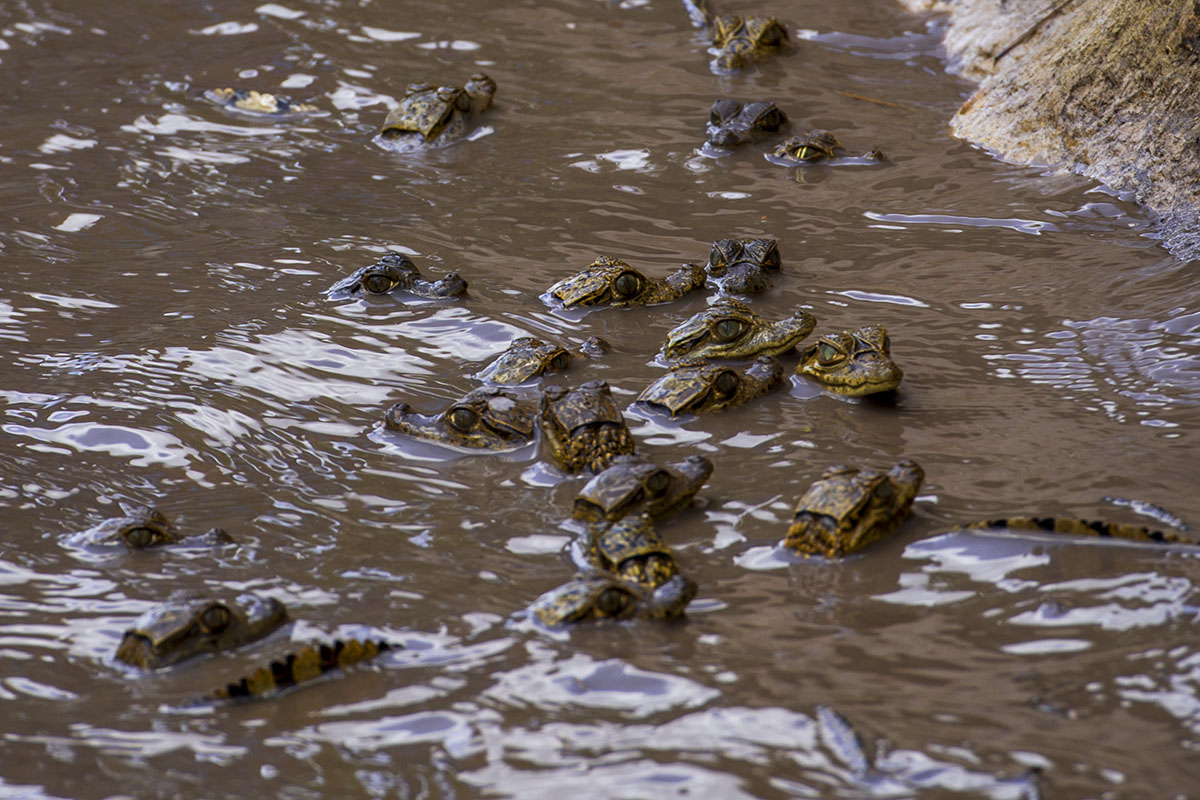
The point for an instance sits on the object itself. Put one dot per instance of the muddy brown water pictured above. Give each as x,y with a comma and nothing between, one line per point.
166,341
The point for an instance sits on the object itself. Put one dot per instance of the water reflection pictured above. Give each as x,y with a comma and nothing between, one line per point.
166,341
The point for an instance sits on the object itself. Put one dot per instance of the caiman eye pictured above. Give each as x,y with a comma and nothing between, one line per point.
612,602
726,383
378,283
828,354
770,121
657,483
887,343
771,35
140,537
723,109
728,329
215,619
462,102
463,419
560,362
883,490
627,284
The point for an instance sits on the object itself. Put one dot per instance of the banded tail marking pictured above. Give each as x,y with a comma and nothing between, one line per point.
304,665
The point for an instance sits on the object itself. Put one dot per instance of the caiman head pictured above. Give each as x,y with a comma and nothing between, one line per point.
187,625
633,483
583,426
743,266
596,595
441,114
141,529
632,549
396,272
699,388
739,41
816,145
525,358
848,508
732,123
488,418
853,363
610,281
729,329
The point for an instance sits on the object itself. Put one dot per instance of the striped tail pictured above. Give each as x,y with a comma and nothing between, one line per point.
311,662
1083,527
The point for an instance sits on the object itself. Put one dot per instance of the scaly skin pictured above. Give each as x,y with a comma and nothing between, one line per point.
525,358
743,266
729,329
732,123
596,595
1083,527
633,484
740,41
397,273
699,388
815,146
307,664
254,102
631,549
610,281
848,509
435,117
187,625
487,418
583,426
141,529
853,363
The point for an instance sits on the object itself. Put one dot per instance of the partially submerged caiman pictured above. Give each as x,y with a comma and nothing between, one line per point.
852,363
487,418
600,595
1082,527
304,665
188,624
436,116
395,273
140,529
732,123
632,550
633,483
252,101
743,266
737,41
730,329
611,282
583,426
700,388
526,358
848,508
816,146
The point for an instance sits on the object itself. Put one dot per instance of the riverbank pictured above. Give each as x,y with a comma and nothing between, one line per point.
1104,88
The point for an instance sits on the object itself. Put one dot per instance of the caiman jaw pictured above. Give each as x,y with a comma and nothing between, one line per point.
136,649
684,344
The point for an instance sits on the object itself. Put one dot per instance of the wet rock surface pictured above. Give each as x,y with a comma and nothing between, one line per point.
1105,88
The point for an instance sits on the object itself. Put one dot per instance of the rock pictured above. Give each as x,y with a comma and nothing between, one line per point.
1109,89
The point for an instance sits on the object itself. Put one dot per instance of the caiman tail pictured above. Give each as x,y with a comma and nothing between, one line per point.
311,662
1083,527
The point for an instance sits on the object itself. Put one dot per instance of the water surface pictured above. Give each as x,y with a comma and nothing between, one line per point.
166,341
